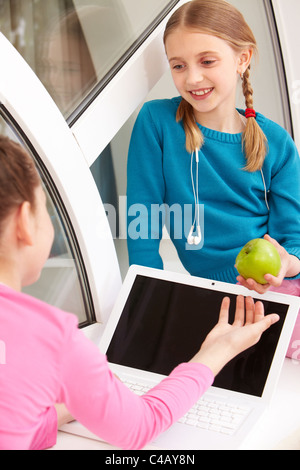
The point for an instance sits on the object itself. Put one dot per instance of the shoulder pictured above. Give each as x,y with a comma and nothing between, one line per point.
273,131
159,110
282,148
39,317
156,119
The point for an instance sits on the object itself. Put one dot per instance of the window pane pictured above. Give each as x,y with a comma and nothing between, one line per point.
74,46
62,282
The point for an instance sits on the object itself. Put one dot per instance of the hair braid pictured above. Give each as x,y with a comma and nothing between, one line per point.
194,136
247,89
254,140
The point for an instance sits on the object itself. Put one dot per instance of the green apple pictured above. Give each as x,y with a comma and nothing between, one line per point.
257,258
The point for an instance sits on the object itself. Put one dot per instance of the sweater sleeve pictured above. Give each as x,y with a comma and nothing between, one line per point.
46,435
97,399
284,201
145,189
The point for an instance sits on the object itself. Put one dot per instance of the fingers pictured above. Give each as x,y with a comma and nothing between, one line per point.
255,315
224,311
239,318
274,281
259,312
254,311
253,285
272,240
250,311
265,323
247,312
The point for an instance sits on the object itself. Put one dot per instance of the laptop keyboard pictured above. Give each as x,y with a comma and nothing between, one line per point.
208,413
218,416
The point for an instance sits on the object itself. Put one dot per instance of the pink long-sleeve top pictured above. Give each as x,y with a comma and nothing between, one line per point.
45,359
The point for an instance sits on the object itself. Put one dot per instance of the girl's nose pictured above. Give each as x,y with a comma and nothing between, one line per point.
195,76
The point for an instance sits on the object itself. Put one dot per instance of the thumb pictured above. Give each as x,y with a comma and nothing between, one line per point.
267,322
272,240
258,328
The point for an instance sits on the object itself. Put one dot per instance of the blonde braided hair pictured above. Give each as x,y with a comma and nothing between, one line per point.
254,140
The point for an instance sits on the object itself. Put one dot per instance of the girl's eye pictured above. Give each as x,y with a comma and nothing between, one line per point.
208,62
178,67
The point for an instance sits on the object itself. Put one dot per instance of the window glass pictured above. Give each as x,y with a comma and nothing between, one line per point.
75,46
62,282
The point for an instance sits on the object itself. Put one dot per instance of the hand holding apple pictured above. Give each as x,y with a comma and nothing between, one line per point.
258,258
290,267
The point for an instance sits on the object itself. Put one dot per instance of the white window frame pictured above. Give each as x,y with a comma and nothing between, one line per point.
288,28
96,128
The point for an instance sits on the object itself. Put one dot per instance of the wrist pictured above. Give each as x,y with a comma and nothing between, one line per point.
293,266
213,359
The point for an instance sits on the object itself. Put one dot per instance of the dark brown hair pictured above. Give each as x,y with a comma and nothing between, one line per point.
18,178
222,20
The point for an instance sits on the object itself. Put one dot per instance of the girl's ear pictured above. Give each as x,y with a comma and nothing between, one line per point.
25,224
244,60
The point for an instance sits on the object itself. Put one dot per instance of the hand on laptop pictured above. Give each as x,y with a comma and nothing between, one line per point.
226,341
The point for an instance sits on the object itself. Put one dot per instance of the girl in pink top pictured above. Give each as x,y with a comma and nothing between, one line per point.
49,371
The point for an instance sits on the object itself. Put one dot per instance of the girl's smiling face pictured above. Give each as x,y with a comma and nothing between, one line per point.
205,70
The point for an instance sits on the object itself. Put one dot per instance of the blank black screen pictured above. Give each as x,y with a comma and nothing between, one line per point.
164,324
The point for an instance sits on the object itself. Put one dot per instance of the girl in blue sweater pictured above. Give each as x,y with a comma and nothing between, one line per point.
217,176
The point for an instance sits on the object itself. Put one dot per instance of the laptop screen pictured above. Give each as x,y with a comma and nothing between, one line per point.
164,324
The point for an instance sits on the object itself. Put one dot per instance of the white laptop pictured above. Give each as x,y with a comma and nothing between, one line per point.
160,320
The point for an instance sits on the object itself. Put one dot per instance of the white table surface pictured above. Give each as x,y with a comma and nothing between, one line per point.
279,428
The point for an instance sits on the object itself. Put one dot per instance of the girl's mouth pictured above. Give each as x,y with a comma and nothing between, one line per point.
201,94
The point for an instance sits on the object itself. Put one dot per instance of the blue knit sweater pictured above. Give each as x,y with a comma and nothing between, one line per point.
233,200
